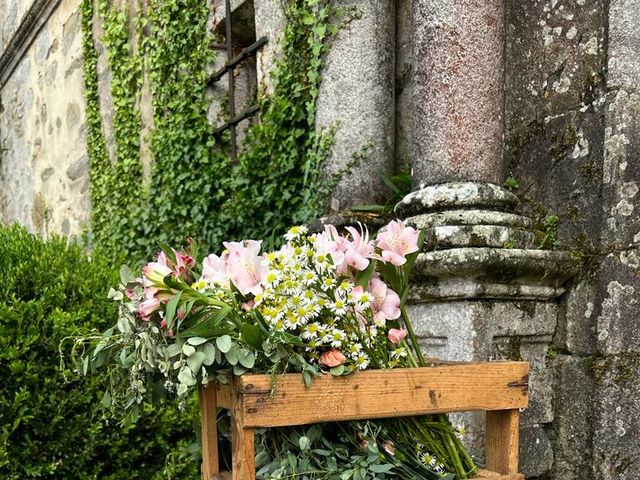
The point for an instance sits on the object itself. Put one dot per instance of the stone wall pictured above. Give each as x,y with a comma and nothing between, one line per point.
571,140
43,161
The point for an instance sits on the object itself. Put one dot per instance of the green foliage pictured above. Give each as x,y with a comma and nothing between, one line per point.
549,235
399,186
50,427
511,183
193,189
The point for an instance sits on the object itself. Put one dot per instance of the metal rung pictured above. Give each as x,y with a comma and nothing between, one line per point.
244,54
237,119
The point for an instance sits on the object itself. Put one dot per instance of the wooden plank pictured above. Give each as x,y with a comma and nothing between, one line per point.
487,475
383,393
224,396
243,465
208,414
501,441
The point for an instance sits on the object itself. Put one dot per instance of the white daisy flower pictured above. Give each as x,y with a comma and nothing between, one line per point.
296,232
399,352
311,331
362,361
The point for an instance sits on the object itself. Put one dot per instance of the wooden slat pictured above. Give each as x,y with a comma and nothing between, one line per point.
383,394
224,396
209,431
243,465
501,441
487,475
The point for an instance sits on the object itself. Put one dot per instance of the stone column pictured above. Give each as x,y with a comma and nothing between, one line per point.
482,291
270,22
356,97
458,81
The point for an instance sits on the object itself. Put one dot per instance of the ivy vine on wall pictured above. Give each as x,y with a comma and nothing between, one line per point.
192,188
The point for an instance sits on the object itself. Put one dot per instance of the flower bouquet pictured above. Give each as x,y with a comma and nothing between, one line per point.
324,303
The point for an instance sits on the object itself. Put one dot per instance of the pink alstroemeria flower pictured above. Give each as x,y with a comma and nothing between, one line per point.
396,335
146,308
385,304
332,358
396,242
153,274
360,250
215,269
325,245
183,263
246,267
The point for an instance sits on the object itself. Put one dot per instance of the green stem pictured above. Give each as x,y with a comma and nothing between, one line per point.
412,336
412,359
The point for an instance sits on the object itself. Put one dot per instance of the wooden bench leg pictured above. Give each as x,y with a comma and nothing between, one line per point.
243,453
208,409
502,441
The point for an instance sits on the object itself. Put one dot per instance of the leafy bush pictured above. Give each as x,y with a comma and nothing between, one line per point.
50,428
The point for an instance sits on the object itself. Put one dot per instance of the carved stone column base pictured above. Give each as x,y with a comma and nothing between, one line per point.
476,297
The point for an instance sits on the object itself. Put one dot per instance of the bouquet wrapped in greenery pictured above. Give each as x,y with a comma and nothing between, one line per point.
324,303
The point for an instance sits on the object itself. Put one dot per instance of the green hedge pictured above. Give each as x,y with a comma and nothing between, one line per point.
49,428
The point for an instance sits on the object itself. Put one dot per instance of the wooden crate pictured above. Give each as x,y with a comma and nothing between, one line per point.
499,388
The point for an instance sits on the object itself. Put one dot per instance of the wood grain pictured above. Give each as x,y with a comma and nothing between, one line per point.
487,475
243,453
224,395
209,430
501,441
383,393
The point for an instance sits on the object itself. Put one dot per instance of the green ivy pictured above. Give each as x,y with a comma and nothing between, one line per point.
193,189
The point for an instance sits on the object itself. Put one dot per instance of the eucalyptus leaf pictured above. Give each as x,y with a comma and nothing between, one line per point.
232,355
224,343
188,349
173,350
307,379
126,276
247,358
182,389
195,361
210,354
304,443
239,370
106,399
186,377
195,341
337,371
